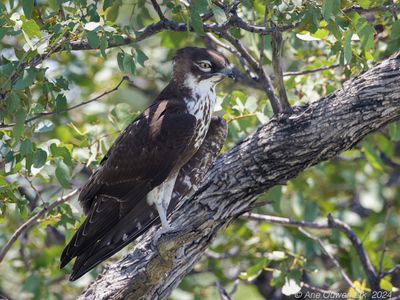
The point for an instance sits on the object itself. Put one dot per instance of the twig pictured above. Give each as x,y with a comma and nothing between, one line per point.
383,247
165,24
360,9
258,204
249,79
38,195
265,80
358,247
298,73
262,39
393,270
233,51
33,220
332,258
223,293
241,117
393,8
286,221
232,252
44,114
331,223
277,42
239,22
157,8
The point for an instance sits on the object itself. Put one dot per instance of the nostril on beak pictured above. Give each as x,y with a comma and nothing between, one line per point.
232,74
229,72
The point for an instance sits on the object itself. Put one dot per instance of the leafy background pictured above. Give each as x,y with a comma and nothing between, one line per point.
43,159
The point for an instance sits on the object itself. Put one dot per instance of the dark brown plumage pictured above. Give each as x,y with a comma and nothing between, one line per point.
141,167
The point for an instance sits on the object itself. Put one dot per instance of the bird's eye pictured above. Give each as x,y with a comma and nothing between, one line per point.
204,66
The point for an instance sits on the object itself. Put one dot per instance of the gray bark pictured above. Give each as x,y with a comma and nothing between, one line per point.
272,155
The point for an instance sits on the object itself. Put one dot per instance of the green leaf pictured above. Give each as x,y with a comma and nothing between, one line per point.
219,14
93,39
347,47
254,270
61,152
107,4
372,156
292,283
120,60
19,124
27,79
311,211
61,103
62,83
385,284
129,63
103,45
364,3
44,126
92,26
112,13
62,174
330,9
53,5
395,30
366,33
196,8
25,148
251,104
141,57
333,27
31,28
394,131
27,6
39,158
12,103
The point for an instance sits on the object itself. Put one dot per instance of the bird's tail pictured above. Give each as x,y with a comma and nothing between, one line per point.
114,234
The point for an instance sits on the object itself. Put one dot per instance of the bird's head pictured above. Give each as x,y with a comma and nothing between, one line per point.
201,66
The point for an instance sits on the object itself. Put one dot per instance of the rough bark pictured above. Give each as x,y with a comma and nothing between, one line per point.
275,153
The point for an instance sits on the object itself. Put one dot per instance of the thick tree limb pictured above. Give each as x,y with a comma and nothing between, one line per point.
275,153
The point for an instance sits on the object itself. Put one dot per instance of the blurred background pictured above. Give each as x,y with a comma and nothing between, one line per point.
46,158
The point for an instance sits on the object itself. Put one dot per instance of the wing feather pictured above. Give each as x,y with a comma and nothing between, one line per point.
114,198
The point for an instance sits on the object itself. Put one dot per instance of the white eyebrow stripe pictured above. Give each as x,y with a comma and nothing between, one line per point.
205,61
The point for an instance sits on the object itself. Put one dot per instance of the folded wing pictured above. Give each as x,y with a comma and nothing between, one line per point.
114,197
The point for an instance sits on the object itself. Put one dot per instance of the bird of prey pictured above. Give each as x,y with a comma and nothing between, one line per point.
155,159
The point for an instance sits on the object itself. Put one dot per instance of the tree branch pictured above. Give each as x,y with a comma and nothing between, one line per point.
277,43
358,247
332,258
157,8
265,80
275,153
46,114
305,72
33,220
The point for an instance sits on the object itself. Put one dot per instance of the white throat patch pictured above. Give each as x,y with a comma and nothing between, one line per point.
201,104
203,93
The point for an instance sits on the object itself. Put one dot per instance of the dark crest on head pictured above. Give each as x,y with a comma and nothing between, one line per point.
200,62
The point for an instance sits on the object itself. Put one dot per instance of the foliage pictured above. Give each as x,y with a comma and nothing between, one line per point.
48,149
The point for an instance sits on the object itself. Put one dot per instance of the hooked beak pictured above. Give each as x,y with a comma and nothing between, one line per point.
228,72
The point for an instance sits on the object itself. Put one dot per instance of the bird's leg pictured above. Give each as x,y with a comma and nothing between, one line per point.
162,206
162,212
